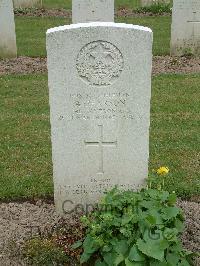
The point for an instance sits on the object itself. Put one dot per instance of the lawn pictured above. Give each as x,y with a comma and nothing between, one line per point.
26,169
31,31
67,3
133,4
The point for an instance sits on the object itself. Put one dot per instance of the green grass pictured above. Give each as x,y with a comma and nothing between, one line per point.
161,27
68,3
175,138
31,38
25,143
25,148
133,4
31,34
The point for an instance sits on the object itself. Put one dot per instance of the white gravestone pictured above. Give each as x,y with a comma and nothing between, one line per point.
8,46
100,88
185,31
92,10
27,3
152,2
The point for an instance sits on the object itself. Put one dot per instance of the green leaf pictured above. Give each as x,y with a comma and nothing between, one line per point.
135,254
121,247
89,245
172,258
118,259
158,263
126,219
172,199
184,262
133,263
154,217
85,257
151,248
146,204
110,258
77,245
106,248
170,212
100,263
179,225
170,234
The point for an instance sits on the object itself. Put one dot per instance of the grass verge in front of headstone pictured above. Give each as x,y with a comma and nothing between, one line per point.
157,8
30,32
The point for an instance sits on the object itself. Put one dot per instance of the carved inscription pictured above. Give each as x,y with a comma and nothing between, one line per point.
98,188
99,63
88,106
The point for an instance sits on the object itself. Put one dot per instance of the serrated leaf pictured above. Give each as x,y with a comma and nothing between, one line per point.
151,249
133,263
126,219
170,234
110,258
121,247
118,259
135,254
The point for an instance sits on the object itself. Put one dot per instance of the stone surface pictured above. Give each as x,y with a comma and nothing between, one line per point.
27,3
185,30
92,10
151,2
8,46
100,87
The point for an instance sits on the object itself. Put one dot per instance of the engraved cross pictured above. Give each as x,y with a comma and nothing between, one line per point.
101,144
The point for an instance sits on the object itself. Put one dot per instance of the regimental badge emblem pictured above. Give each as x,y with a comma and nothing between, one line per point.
99,63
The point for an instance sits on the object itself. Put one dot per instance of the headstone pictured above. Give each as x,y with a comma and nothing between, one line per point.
92,10
27,3
100,87
185,31
153,2
8,46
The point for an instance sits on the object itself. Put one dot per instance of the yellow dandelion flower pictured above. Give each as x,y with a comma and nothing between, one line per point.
163,170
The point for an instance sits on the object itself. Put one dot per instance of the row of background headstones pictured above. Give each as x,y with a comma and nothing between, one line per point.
185,36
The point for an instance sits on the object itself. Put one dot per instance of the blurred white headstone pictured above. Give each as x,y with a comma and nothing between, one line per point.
92,10
185,30
8,46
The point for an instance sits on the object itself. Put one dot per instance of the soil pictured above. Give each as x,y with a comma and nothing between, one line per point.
161,64
20,221
38,12
23,65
